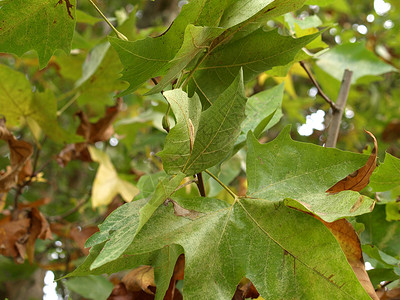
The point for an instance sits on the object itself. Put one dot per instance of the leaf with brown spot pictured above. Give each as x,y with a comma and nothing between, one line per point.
351,246
140,279
102,130
360,178
20,152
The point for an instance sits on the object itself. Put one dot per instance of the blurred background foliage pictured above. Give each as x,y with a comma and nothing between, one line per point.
363,36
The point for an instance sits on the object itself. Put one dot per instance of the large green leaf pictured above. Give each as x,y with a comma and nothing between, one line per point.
148,58
259,107
261,240
119,231
41,25
20,103
255,53
354,57
91,287
286,169
192,149
387,175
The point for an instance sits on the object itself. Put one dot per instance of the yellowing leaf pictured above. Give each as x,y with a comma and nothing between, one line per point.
107,183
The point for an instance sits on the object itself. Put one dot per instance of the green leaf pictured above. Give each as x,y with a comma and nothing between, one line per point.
286,169
41,25
91,287
259,108
387,176
20,103
149,57
163,261
148,183
238,11
380,256
379,232
119,231
195,42
356,58
255,53
208,144
83,17
261,240
107,184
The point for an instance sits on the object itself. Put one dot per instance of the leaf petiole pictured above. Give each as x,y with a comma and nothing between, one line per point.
119,34
223,185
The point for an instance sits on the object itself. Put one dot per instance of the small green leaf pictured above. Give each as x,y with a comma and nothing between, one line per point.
387,176
259,107
356,58
41,25
286,169
91,287
209,143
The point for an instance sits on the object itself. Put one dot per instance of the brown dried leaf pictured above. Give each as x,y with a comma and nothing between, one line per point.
245,290
81,235
351,246
17,237
389,295
20,152
360,178
140,279
102,130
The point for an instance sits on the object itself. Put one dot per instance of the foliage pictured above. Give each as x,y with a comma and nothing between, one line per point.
190,175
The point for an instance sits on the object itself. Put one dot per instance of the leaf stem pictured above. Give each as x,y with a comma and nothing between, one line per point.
320,91
68,104
119,34
223,185
200,184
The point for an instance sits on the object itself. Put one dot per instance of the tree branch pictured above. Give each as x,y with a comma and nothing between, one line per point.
320,91
333,131
200,184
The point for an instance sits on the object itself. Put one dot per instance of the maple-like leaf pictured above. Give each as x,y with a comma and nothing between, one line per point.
264,241
301,173
41,25
201,141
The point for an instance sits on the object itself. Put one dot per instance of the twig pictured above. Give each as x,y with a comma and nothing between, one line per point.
71,211
333,131
68,104
320,91
185,184
119,34
200,184
222,184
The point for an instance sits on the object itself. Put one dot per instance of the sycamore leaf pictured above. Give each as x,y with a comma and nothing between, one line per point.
286,169
256,52
359,179
107,183
118,240
209,142
20,103
354,57
270,244
41,25
387,175
259,108
148,58
196,40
